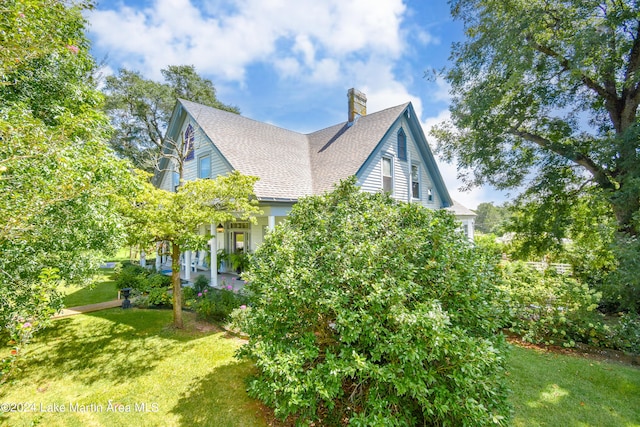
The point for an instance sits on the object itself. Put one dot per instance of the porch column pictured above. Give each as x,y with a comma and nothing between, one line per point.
214,257
187,265
158,258
272,222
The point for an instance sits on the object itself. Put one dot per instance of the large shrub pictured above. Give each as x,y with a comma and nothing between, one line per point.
375,312
217,304
549,308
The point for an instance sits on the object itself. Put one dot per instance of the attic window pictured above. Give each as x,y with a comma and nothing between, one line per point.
189,138
402,145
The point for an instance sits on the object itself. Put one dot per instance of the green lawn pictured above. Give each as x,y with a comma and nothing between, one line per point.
133,358
102,289
558,390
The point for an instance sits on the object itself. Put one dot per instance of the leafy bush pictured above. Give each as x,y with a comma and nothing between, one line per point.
376,312
625,333
157,280
141,279
200,284
132,276
159,297
550,308
217,304
188,294
621,287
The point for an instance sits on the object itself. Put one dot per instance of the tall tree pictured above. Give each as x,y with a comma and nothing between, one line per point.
491,218
161,216
140,109
546,96
58,177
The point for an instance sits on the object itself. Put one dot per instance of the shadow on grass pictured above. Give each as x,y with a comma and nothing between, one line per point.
111,345
550,390
220,399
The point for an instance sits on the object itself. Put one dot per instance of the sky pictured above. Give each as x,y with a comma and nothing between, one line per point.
291,62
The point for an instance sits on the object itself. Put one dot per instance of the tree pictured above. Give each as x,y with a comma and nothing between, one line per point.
374,311
546,96
161,216
491,218
140,109
58,177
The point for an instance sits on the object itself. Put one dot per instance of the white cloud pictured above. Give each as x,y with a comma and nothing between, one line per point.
223,43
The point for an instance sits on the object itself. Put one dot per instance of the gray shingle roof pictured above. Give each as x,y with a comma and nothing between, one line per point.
460,210
291,165
279,157
339,151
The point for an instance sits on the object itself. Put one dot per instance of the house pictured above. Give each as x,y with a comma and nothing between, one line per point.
386,150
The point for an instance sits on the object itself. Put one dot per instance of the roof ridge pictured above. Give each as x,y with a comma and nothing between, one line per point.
240,115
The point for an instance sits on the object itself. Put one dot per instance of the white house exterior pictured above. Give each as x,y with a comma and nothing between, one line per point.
385,150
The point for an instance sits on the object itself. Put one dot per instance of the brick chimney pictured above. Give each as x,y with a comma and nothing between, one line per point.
357,104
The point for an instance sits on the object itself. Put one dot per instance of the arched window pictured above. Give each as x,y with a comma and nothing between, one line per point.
189,138
402,145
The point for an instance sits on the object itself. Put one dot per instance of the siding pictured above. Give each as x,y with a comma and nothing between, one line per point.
203,147
370,177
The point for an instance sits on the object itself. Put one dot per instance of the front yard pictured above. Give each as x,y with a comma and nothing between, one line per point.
128,367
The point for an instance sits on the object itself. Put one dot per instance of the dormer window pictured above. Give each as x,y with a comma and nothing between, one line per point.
402,145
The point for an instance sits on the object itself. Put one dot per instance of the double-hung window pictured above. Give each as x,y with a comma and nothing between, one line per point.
387,175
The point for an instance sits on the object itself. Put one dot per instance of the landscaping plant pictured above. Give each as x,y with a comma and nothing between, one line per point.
374,312
545,307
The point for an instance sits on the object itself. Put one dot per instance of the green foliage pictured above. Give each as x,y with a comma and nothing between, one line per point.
621,287
159,297
546,99
488,244
239,261
58,178
625,333
157,215
141,279
217,304
550,308
374,311
491,219
140,109
200,284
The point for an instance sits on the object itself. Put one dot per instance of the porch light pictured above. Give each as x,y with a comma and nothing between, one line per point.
220,228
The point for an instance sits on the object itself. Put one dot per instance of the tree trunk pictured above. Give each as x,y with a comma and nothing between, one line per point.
175,281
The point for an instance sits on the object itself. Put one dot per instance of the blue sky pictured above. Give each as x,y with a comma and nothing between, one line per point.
291,62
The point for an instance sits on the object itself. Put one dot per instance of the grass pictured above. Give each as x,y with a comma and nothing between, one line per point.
559,390
103,289
131,359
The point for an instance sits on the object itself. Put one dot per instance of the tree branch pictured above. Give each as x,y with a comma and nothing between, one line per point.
599,174
564,62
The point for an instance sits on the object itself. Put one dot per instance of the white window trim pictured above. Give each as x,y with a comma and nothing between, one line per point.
417,165
382,176
200,158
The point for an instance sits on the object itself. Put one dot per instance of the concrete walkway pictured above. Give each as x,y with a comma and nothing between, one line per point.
71,311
